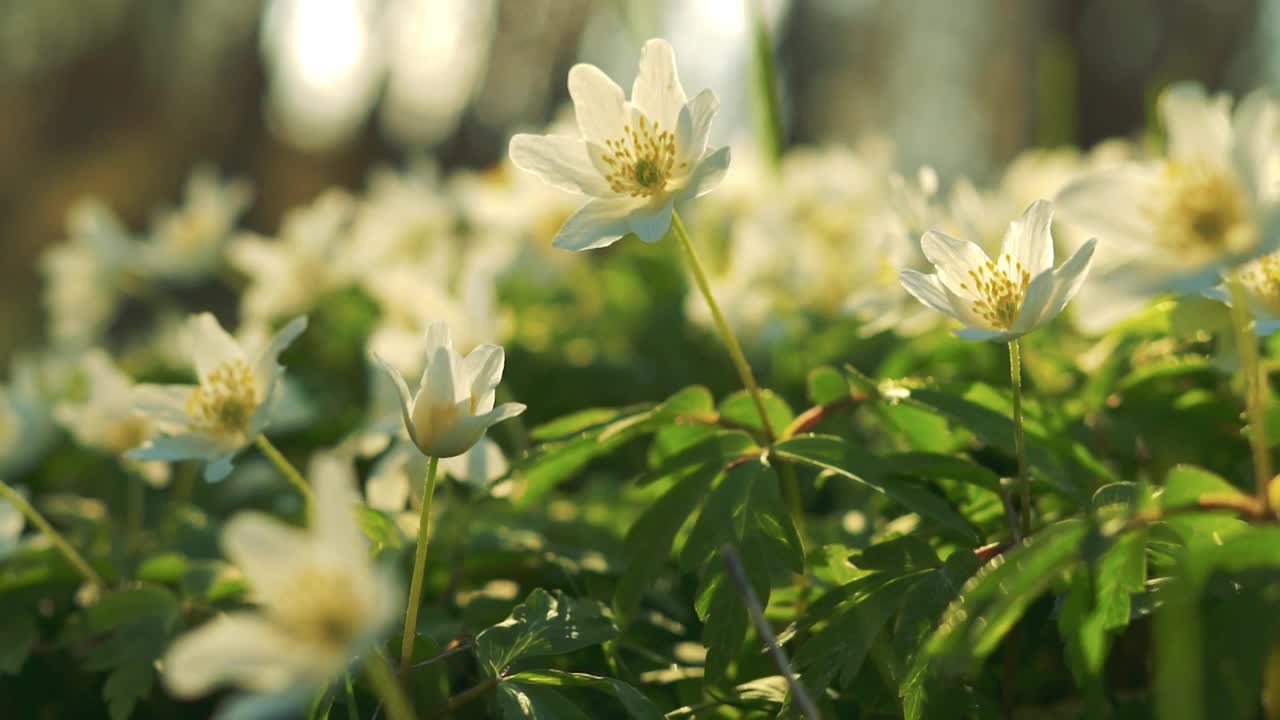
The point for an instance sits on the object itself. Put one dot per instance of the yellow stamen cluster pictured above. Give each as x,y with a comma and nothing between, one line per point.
998,287
1201,211
225,401
641,161
323,609
1262,278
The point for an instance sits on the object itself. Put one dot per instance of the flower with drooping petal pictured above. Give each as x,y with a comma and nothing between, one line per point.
231,404
1179,222
320,600
454,405
106,418
1261,281
1007,297
634,159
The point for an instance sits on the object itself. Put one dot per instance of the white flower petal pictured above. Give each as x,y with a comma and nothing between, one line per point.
267,368
651,224
388,486
210,346
1198,127
695,125
166,404
707,174
1039,294
483,371
406,400
1255,127
187,446
1105,204
599,223
479,466
268,552
927,289
656,90
333,518
240,649
599,104
969,333
1028,240
953,258
218,468
560,161
1067,280
438,384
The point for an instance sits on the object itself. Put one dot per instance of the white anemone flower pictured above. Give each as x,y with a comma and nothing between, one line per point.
1004,298
1178,222
1261,281
106,418
228,408
187,242
321,602
634,159
454,405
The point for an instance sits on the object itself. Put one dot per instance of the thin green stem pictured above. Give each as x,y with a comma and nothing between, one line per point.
353,709
287,469
384,683
1255,391
787,475
16,499
1019,435
419,568
726,333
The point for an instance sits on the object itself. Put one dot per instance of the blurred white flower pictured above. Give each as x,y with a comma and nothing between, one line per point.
321,602
1005,298
1261,280
85,276
187,242
454,405
26,423
312,256
634,159
1209,205
231,405
105,417
397,480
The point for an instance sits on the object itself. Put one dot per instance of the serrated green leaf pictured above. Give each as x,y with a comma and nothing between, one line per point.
940,466
520,701
995,598
839,456
739,409
636,704
583,421
648,543
897,556
716,449
542,625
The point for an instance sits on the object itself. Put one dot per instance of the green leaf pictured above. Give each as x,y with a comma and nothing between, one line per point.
636,704
128,606
839,456
125,686
1097,604
163,568
716,449
648,543
939,466
995,598
18,636
994,428
583,421
897,556
382,531
826,385
1184,485
739,409
542,625
520,701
